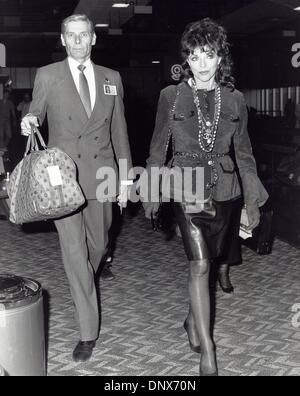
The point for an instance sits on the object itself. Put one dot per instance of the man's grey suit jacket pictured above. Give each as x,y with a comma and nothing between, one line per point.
92,143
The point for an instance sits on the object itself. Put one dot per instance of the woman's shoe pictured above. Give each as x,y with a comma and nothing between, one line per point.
225,283
215,374
194,348
209,374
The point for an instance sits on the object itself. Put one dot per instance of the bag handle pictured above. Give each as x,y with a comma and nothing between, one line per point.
31,144
34,140
40,140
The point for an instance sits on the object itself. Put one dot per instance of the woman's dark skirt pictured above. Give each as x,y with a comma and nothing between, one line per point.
213,232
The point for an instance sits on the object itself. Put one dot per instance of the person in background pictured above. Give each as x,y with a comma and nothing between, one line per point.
23,107
208,117
88,123
8,120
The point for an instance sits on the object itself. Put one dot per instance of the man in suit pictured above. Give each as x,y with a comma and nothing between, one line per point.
86,120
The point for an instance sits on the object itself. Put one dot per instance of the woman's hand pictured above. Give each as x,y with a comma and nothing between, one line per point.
253,214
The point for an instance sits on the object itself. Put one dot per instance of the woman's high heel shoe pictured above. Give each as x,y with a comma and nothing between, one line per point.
225,283
206,374
194,348
215,374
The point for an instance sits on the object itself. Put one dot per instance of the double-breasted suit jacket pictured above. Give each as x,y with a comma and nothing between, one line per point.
94,142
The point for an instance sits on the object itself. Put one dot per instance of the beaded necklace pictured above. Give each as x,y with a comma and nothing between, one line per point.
207,129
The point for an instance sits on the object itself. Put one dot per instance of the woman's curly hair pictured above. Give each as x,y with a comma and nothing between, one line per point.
208,33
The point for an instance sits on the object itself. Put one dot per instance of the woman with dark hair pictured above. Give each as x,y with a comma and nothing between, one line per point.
206,117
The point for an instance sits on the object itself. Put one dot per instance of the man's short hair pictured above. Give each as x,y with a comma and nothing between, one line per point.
76,18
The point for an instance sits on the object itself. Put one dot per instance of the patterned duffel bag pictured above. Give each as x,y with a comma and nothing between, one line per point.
43,185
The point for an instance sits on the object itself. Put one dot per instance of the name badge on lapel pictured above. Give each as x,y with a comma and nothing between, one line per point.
110,90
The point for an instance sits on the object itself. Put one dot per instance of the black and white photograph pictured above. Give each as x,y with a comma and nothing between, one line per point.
150,191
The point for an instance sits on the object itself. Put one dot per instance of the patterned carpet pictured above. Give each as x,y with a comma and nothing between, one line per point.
257,329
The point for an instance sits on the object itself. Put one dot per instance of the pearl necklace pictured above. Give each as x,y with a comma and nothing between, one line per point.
207,130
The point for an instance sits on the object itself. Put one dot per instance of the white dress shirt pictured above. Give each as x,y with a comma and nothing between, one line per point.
89,74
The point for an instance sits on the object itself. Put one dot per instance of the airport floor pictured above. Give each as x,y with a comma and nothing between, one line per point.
257,329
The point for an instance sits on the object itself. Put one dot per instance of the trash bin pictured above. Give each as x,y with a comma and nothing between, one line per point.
22,339
2,372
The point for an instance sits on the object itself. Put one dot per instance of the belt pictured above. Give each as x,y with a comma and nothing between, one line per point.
184,154
210,157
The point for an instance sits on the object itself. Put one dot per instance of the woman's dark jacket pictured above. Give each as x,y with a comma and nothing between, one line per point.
232,128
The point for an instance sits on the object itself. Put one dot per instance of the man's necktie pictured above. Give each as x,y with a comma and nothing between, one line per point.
84,91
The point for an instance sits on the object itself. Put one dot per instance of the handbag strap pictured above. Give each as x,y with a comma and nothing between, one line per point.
171,119
40,139
31,144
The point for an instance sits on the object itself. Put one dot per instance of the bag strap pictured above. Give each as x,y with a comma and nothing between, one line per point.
40,139
34,140
170,134
31,144
171,119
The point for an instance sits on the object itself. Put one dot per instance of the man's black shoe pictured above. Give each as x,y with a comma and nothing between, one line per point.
83,351
106,272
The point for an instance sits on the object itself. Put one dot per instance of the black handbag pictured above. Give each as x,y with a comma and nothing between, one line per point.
163,220
262,236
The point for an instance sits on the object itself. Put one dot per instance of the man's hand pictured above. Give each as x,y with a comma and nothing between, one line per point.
123,197
253,214
27,122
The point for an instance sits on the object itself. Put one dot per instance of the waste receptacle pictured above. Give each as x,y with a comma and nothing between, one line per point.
22,336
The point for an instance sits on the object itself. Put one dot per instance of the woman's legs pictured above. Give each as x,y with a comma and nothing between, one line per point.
224,279
198,321
192,332
231,253
200,313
